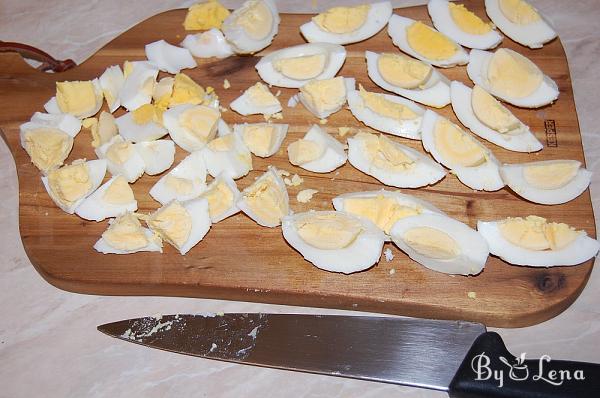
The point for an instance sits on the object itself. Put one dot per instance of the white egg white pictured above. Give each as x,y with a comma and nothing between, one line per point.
477,70
518,140
158,155
485,176
349,84
131,131
208,44
443,21
424,171
96,208
62,121
512,174
435,92
280,133
96,169
397,31
378,16
239,39
334,153
138,85
233,209
111,82
360,255
51,106
132,168
335,56
581,249
232,162
154,243
244,105
533,35
410,128
191,168
242,204
169,58
474,249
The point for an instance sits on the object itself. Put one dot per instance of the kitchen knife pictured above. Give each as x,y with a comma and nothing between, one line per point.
459,357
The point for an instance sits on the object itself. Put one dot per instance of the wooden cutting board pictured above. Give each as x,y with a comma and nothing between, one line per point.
238,260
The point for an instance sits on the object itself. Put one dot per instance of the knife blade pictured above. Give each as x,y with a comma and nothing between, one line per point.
458,357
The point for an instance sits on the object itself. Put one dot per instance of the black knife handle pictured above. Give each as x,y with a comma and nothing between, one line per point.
491,371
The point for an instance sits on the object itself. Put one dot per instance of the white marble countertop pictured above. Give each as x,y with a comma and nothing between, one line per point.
49,345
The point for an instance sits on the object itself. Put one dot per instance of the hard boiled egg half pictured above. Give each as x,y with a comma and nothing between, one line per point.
252,27
547,182
409,78
387,113
125,235
391,162
534,241
317,151
474,164
294,66
425,43
512,77
114,198
441,243
334,241
489,119
345,25
266,201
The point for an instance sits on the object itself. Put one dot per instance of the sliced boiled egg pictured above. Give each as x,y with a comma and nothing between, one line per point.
266,201
222,195
78,98
252,27
408,77
169,58
441,243
122,158
262,139
334,241
383,208
520,21
125,235
192,126
182,224
462,25
114,198
142,124
208,44
512,77
185,181
485,116
325,97
345,25
69,185
387,113
257,99
158,155
548,182
227,154
294,66
474,164
111,82
533,241
425,43
391,162
317,151
140,77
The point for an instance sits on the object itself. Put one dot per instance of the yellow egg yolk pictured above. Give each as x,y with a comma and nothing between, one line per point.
126,233
222,144
119,192
119,152
301,68
429,43
70,183
402,71
173,223
491,112
220,198
260,95
457,146
186,91
303,151
551,175
381,210
147,113
182,186
256,20
200,121
329,231
512,75
467,21
384,107
535,233
267,200
259,138
432,243
383,154
205,15
76,98
342,20
47,147
519,12
325,95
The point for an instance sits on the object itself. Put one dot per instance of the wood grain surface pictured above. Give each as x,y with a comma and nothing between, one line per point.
238,260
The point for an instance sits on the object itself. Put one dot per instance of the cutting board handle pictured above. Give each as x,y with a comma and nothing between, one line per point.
491,371
48,62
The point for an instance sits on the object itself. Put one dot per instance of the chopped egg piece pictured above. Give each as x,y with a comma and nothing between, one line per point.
222,195
173,223
306,195
140,78
125,235
103,130
169,58
184,182
262,139
227,154
402,71
112,199
111,82
79,98
317,151
266,201
304,151
257,99
192,126
252,27
205,15
122,158
323,97
47,147
186,91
